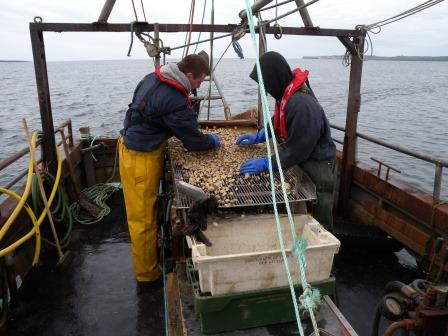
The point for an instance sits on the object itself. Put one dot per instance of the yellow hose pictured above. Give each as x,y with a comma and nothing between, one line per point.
25,194
22,199
35,230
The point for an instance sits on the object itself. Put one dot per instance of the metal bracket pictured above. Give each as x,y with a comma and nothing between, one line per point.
389,167
348,44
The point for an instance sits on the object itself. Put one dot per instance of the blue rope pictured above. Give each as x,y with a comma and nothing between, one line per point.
237,47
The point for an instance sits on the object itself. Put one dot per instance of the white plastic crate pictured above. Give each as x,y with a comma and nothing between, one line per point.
245,253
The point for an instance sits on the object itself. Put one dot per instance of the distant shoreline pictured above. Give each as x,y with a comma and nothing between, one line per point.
11,61
386,58
332,57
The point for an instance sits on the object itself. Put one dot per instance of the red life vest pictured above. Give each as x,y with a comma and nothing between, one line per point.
280,109
173,83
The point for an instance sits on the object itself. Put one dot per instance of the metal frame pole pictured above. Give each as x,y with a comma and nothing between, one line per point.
304,14
43,93
353,107
437,184
105,12
255,8
157,42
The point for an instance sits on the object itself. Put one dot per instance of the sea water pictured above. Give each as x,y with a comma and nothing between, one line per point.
403,103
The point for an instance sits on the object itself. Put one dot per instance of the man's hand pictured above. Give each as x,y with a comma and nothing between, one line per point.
216,139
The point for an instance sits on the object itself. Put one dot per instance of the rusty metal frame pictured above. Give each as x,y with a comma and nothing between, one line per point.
351,125
175,28
352,39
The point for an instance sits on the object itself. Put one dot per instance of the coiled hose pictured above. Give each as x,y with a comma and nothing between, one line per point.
35,231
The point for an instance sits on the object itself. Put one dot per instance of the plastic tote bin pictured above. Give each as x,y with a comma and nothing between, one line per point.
245,253
228,312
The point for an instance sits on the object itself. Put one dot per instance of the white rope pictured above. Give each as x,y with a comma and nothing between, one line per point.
409,12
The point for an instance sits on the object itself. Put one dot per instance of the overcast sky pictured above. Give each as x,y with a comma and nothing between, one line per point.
423,34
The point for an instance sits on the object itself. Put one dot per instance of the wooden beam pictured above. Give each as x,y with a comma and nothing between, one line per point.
353,107
175,319
228,123
43,93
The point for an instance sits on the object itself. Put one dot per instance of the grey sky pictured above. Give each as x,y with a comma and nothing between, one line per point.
421,34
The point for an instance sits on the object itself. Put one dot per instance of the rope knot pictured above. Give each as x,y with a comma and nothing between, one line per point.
298,248
310,298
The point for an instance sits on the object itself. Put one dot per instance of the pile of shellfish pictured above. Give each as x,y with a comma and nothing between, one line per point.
215,170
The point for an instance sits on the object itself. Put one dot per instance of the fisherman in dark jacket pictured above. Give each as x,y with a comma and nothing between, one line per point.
301,128
160,109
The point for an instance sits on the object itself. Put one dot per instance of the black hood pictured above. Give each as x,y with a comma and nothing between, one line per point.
276,74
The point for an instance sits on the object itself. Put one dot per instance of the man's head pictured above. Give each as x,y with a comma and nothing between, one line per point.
276,74
195,67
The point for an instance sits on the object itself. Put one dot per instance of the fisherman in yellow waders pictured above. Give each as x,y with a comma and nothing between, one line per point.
160,109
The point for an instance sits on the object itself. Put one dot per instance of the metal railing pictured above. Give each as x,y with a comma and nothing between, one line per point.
439,163
19,154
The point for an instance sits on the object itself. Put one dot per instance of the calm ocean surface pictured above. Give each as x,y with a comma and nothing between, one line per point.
403,103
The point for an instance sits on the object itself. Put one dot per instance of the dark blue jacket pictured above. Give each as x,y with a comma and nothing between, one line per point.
182,123
309,135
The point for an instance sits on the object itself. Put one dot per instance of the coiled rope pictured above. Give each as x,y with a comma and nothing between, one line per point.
309,297
98,193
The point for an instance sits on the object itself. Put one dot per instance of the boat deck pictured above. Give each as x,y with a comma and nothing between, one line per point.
97,294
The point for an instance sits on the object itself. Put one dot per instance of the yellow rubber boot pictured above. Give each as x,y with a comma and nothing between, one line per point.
140,174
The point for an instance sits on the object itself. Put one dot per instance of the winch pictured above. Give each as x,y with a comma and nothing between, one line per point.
420,307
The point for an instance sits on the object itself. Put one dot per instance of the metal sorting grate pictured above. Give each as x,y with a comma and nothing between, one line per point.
256,191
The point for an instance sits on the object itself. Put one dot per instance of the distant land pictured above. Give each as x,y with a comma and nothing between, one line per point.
385,58
12,61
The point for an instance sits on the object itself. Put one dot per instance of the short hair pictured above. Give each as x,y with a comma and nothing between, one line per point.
195,64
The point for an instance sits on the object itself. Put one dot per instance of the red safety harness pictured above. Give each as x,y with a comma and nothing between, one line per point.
280,109
140,107
174,84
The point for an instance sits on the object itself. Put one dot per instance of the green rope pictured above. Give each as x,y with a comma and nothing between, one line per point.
59,209
98,193
307,296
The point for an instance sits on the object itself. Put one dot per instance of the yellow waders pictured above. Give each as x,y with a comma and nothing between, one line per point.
140,174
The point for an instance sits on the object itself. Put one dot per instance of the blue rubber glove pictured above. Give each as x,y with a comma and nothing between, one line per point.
255,166
251,139
216,139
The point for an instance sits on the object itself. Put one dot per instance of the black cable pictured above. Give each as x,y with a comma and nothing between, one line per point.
135,12
143,9
376,320
202,21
